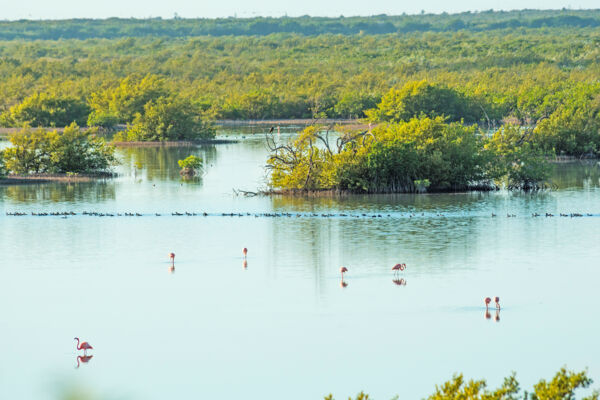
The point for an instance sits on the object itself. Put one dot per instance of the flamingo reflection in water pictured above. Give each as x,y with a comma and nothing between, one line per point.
343,283
83,359
245,264
488,315
400,282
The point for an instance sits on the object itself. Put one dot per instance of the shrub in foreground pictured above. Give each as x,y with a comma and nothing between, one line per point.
561,387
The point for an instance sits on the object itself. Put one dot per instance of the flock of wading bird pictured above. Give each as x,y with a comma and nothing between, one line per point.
85,346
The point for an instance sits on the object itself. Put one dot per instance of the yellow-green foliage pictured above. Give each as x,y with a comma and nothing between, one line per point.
190,164
395,157
520,158
124,101
303,164
418,98
41,151
167,119
562,387
47,109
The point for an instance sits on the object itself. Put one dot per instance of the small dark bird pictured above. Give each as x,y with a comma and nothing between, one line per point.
272,129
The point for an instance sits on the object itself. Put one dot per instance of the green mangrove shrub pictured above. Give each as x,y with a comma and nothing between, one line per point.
46,109
417,98
167,119
423,154
190,166
71,151
520,159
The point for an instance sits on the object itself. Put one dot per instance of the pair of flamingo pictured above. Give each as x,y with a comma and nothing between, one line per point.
488,300
395,268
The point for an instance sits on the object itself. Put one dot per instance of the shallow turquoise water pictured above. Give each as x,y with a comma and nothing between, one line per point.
284,326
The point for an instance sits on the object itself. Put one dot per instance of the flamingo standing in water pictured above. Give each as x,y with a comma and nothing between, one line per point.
398,267
487,302
497,300
85,346
172,257
245,251
342,271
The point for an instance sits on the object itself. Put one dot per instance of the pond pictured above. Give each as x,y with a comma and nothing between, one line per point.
283,324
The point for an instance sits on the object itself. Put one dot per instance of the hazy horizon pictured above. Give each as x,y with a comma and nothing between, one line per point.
69,9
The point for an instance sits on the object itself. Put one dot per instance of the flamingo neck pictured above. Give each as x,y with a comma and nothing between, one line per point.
78,346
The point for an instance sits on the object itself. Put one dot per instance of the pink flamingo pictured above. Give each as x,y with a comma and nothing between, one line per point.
487,302
398,267
172,257
85,346
342,271
497,300
245,251
83,359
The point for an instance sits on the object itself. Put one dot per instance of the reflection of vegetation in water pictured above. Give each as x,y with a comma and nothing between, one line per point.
379,202
578,174
60,192
161,163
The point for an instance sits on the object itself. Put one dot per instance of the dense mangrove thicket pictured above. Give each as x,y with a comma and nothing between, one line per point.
41,151
422,154
535,68
561,387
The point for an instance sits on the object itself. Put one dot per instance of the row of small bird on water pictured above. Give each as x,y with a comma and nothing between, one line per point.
547,215
65,214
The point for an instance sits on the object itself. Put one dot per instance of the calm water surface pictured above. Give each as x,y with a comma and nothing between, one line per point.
284,327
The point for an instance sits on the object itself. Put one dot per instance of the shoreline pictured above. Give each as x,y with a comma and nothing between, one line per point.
291,121
49,178
173,143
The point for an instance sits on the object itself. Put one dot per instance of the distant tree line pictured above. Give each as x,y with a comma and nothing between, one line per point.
113,28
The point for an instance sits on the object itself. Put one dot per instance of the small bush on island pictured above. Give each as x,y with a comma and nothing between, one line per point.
562,387
71,151
166,119
423,154
190,166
